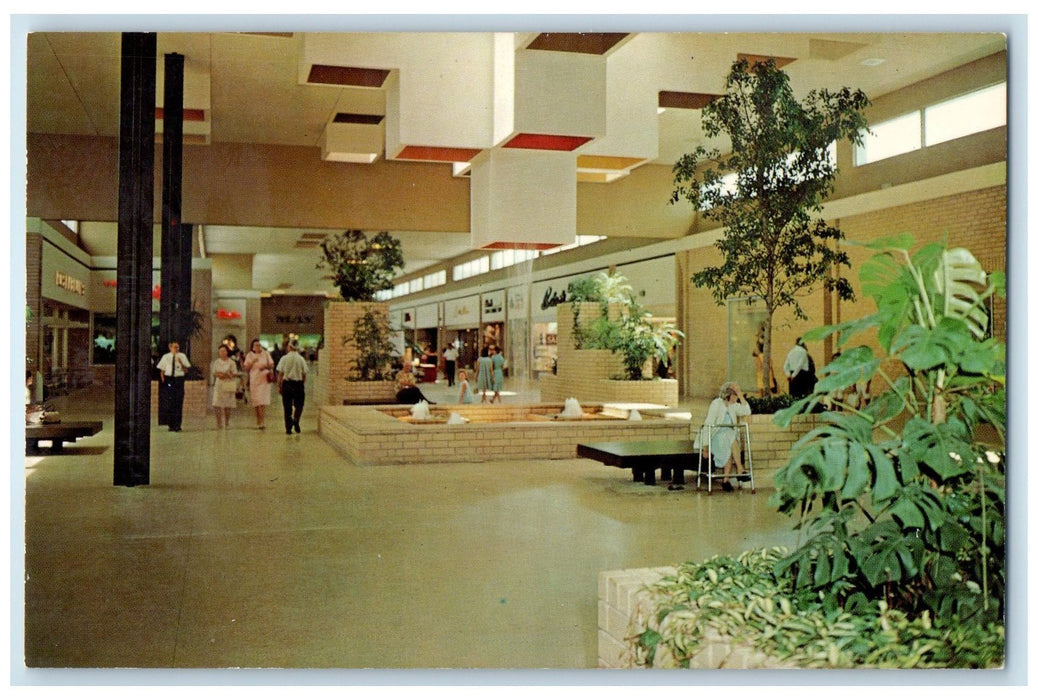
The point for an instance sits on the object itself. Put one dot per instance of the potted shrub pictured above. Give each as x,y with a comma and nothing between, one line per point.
607,321
634,333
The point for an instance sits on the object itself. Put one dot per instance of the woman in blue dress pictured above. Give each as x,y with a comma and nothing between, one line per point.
484,373
497,361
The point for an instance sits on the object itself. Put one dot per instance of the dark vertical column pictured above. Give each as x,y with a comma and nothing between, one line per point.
133,289
176,241
170,277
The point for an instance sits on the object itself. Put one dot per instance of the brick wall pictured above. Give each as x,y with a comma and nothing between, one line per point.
975,220
196,399
338,360
33,268
368,436
622,598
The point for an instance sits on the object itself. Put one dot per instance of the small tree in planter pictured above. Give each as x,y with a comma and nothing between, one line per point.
371,336
360,266
772,248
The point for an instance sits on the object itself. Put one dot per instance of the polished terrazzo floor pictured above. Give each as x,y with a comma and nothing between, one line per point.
254,549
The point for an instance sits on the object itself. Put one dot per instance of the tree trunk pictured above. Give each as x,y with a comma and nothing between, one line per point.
766,359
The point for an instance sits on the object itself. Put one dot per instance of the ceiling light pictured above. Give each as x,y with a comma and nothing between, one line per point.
872,62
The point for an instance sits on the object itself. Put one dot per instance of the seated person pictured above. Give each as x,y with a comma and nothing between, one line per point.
407,392
725,446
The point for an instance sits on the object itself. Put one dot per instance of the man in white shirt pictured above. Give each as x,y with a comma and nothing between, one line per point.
291,371
796,368
172,368
450,363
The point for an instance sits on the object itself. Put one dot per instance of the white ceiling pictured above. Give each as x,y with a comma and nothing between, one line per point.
248,84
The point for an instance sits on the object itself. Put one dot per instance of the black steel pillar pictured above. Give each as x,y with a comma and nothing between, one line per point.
175,278
175,269
133,270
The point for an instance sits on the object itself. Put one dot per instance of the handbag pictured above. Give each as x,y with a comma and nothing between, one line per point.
227,386
271,377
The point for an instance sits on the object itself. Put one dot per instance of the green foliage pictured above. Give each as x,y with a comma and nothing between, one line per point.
904,499
371,335
636,334
748,601
578,291
772,244
360,267
769,404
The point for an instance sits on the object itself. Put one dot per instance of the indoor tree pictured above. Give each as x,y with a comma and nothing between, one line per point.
361,266
767,191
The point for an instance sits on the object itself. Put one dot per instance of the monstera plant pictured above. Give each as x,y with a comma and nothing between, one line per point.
903,499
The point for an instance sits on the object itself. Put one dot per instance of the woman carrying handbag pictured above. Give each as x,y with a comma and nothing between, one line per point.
260,367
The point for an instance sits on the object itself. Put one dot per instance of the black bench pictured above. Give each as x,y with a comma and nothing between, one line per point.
58,434
643,458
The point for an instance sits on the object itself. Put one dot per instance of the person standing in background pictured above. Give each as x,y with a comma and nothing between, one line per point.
292,385
497,362
450,363
172,368
796,368
484,373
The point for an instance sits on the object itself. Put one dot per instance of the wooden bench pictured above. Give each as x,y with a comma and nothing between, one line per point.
643,458
58,434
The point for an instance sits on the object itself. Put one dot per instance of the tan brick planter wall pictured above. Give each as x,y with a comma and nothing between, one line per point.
622,593
196,399
369,436
368,392
338,360
771,444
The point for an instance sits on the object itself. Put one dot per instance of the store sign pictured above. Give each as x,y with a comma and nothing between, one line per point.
493,308
294,319
65,281
462,312
552,298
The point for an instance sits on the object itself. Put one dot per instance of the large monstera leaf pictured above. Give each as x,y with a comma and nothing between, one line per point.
963,286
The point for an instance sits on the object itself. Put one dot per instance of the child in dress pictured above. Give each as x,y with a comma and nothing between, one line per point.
466,393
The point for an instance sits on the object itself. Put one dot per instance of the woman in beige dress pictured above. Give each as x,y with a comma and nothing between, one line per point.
260,366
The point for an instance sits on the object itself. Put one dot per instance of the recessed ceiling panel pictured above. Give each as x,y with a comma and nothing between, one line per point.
577,42
346,75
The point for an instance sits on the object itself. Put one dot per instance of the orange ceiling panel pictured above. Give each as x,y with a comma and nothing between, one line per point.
438,153
547,142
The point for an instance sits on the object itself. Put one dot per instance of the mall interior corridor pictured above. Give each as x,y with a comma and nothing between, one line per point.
254,549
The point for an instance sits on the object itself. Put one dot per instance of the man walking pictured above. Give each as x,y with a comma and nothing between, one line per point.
172,367
291,371
450,362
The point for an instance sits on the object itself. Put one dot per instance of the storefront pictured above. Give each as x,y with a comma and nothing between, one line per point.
285,316
426,339
461,321
492,319
58,320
